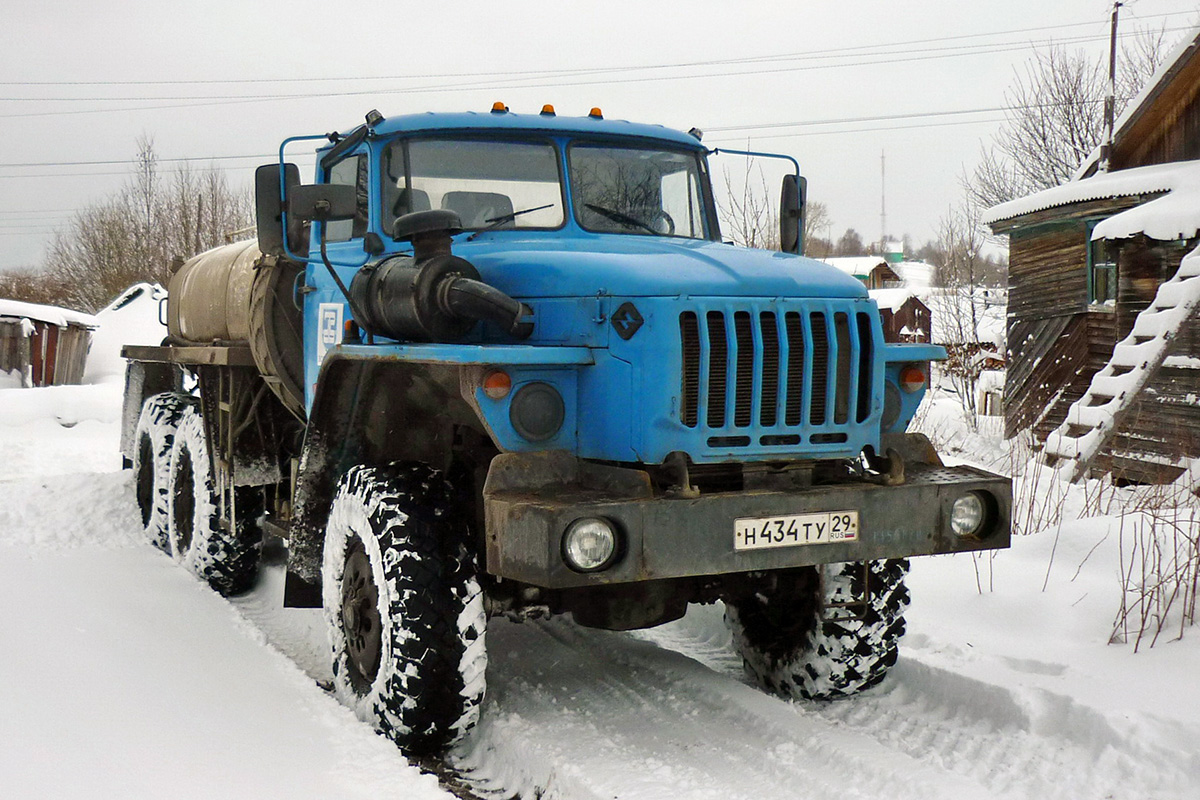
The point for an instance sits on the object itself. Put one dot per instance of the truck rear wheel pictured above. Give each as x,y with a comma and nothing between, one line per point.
226,559
822,632
404,606
155,437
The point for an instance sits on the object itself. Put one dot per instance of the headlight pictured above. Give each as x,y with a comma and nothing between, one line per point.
967,515
590,544
537,412
891,406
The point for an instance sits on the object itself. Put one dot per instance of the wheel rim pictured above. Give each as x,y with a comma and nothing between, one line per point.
185,502
360,616
145,478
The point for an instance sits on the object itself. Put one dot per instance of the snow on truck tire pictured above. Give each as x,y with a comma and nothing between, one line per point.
806,636
155,437
226,559
404,606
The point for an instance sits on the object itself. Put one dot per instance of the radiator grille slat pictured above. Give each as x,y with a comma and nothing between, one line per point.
820,369
794,409
845,354
743,393
770,369
689,337
718,369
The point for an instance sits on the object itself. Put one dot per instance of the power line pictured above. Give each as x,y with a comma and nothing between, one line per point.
825,52
507,83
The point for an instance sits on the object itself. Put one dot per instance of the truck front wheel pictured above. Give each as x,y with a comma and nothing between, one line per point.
404,606
155,438
822,632
224,556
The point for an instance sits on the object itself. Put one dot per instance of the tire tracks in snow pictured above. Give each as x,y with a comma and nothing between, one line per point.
668,713
575,713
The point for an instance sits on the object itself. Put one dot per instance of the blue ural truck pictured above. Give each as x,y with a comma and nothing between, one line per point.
500,364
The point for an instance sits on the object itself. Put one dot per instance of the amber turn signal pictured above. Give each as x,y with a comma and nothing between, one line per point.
912,378
497,385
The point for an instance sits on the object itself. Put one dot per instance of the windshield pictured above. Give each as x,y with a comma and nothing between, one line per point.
490,184
637,190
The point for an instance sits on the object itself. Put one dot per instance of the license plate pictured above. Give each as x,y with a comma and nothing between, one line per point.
757,533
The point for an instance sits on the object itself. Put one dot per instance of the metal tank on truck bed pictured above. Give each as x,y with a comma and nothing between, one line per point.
503,364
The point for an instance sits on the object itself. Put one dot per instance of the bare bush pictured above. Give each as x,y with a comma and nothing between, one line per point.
1055,118
1160,568
750,219
133,235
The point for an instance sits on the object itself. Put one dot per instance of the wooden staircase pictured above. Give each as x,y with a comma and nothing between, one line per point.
1094,418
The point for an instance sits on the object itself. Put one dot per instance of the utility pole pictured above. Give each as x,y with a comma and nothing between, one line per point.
1110,98
882,203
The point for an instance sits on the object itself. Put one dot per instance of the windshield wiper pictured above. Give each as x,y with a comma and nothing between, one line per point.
496,222
624,219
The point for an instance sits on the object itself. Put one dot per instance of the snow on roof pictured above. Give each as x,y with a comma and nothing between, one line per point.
915,274
1173,216
1122,183
891,299
857,266
49,314
132,318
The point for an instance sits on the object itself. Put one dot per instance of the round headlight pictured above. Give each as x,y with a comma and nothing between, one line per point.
537,411
589,544
891,406
967,514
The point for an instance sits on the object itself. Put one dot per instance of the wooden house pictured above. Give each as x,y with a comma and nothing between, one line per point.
905,317
43,345
1103,354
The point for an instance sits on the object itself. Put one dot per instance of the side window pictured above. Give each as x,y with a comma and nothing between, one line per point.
1102,271
350,172
681,200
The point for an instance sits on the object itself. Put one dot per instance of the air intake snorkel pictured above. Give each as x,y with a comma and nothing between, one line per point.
433,295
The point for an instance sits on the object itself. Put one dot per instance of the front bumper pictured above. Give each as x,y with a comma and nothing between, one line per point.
530,499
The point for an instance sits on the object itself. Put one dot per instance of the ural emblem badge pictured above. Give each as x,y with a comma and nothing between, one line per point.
627,320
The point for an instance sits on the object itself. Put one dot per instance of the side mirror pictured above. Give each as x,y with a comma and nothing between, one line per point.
268,207
791,214
323,202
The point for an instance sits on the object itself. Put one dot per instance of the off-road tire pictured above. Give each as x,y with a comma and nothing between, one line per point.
796,640
226,559
154,438
404,606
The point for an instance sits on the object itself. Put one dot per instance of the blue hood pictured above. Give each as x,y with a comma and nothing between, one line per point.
529,265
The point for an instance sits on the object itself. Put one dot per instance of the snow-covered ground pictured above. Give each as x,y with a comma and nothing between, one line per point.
122,676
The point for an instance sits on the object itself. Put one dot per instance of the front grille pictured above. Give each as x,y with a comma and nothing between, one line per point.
797,369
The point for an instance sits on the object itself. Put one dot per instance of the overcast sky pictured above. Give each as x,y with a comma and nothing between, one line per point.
835,84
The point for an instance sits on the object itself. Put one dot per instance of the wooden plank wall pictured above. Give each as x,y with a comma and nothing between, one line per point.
1048,353
55,355
1169,130
73,344
1047,273
10,346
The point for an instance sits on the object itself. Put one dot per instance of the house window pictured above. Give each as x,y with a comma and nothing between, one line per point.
1102,272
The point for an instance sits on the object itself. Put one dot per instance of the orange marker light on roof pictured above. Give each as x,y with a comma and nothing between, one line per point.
596,113
497,385
548,110
912,378
499,108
